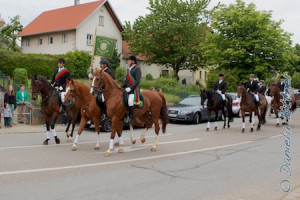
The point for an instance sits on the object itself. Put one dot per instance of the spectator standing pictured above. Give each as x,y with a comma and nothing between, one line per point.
10,99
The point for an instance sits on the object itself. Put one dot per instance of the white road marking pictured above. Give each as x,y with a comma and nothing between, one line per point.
68,144
121,161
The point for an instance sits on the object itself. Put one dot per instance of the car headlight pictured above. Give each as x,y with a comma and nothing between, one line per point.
184,112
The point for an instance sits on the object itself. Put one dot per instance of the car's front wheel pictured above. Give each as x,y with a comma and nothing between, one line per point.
106,125
197,118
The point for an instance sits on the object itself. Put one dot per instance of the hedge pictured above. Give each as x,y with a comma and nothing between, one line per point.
44,64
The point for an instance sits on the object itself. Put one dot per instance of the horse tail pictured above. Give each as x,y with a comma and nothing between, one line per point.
294,106
229,108
264,120
164,113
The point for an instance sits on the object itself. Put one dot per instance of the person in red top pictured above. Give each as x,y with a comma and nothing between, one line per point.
59,78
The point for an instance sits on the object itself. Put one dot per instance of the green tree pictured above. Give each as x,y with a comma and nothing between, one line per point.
247,40
294,60
20,76
115,60
295,80
171,34
9,34
78,63
229,75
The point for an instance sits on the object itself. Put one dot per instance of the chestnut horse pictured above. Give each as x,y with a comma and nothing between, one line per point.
73,115
248,105
277,97
49,104
89,109
154,108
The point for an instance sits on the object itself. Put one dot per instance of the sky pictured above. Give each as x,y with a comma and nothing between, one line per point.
129,10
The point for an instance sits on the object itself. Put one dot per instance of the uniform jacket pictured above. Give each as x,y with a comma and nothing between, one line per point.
137,75
281,87
110,72
262,90
252,87
59,79
19,96
221,86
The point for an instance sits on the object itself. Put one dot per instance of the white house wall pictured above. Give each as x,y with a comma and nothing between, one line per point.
58,46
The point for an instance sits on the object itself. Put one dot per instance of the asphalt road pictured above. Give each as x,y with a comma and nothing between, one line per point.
190,163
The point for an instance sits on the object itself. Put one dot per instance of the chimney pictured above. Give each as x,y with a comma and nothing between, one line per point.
76,2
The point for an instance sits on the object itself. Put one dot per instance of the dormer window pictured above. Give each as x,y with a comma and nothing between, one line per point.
101,20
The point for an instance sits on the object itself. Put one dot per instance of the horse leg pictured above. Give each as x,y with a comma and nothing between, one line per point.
48,133
224,114
115,122
133,140
72,131
277,117
156,128
208,120
121,141
97,128
259,116
243,119
69,139
143,134
83,122
54,118
250,121
216,120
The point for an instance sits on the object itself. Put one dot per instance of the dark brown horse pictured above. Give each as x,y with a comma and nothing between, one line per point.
215,104
49,105
277,97
89,109
73,115
248,105
154,108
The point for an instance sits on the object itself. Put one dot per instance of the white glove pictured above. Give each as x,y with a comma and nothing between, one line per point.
127,89
91,90
60,88
91,76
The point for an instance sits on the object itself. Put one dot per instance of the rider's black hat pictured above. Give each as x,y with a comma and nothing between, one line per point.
221,75
105,62
282,77
251,75
61,60
132,58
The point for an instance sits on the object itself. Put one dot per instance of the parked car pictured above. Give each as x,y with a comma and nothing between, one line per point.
236,108
297,98
190,110
105,124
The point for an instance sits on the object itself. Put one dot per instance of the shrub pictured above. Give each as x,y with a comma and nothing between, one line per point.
20,76
120,74
149,77
78,63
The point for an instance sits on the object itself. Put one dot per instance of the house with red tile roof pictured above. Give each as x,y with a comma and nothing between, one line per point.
73,28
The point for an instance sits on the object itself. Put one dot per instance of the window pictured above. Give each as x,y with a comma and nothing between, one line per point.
64,38
50,40
101,20
89,39
26,43
40,41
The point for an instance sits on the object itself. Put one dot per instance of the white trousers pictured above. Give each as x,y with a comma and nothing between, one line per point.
130,99
222,95
256,97
103,100
62,96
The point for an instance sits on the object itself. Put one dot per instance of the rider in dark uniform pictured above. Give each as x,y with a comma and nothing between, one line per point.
281,84
261,88
59,80
252,88
104,64
220,87
131,84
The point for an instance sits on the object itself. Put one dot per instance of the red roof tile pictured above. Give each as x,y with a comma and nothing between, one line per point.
67,18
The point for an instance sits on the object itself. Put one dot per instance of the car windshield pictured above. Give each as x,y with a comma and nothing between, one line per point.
191,101
233,96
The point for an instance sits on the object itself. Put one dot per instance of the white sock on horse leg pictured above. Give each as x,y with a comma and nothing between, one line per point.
48,135
277,120
252,124
208,124
111,144
121,141
53,132
216,123
76,139
243,125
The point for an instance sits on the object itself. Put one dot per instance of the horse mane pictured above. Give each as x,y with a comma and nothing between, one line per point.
78,83
44,80
108,77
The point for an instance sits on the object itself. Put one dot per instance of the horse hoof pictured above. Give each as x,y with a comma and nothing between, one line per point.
74,147
277,125
224,127
57,140
207,129
228,126
107,154
216,128
97,148
46,142
121,150
243,130
69,139
133,141
251,130
153,149
143,140
258,129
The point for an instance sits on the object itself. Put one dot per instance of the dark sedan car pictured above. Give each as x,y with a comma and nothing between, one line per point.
189,110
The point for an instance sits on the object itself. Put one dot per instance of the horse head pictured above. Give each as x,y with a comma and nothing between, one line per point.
35,87
71,91
203,96
241,90
274,90
99,80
